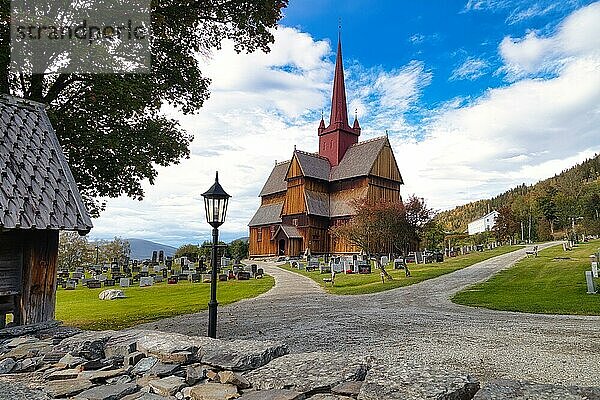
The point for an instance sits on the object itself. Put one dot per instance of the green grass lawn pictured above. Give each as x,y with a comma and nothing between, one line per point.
546,285
82,308
371,283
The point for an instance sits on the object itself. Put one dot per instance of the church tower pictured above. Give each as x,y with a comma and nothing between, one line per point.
336,138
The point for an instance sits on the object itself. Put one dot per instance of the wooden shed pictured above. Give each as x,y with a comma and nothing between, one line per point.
38,197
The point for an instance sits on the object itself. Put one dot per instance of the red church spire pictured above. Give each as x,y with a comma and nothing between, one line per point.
335,139
339,111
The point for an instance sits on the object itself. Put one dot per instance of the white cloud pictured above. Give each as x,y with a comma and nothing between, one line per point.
577,35
472,68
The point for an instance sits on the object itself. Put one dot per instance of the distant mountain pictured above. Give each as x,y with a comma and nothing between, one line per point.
142,249
243,239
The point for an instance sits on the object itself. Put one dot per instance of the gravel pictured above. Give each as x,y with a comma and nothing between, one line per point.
417,323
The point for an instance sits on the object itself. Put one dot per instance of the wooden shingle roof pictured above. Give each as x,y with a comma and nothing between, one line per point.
358,160
276,182
313,165
37,189
267,214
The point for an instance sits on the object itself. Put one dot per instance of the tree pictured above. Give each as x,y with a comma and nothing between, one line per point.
547,205
386,227
191,251
590,208
111,126
238,249
506,226
74,251
116,249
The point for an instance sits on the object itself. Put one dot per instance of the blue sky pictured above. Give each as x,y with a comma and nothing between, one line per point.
478,96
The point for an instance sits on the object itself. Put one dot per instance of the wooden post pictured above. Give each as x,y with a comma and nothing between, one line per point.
38,299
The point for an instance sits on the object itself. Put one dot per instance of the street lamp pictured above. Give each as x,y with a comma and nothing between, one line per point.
215,204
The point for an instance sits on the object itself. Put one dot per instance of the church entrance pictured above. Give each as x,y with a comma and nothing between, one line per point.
282,247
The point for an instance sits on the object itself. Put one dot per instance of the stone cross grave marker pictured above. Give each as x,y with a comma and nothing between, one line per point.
590,282
146,281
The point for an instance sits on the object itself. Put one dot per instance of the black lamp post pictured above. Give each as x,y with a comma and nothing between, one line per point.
215,204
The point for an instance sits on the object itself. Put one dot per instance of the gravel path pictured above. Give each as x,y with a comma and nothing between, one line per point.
417,322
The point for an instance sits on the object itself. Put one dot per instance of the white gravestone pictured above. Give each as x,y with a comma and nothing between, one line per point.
101,277
595,269
590,282
124,282
144,268
384,261
146,281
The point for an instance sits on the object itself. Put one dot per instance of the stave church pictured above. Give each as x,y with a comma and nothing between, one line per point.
313,191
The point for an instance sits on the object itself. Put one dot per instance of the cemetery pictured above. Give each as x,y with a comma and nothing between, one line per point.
151,291
363,277
558,281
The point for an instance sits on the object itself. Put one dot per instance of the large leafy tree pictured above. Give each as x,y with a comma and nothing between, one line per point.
506,226
111,126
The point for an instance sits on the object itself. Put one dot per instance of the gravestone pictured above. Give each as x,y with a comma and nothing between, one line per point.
77,275
364,267
146,281
243,276
144,268
206,278
135,269
399,263
225,261
71,284
418,257
124,282
589,279
144,274
196,278
94,284
172,280
79,270
595,269
326,269
154,256
223,277
384,260
169,263
109,282
254,269
260,273
161,256
183,277
101,277
165,273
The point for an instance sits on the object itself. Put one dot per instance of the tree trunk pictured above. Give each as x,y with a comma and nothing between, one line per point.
38,299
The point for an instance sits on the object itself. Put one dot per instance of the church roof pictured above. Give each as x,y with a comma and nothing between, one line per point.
276,182
37,189
313,165
291,232
358,160
317,203
267,214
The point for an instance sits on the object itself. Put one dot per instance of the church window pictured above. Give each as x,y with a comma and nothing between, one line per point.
259,235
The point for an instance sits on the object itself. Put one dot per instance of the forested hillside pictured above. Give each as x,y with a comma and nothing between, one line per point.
555,204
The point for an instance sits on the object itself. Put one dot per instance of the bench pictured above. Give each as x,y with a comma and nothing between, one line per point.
532,252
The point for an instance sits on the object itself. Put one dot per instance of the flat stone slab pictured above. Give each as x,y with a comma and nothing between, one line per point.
107,392
239,355
308,373
167,386
67,388
167,347
510,389
88,344
273,394
407,380
101,375
213,391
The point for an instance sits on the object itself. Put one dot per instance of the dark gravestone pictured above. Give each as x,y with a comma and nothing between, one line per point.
154,256
136,278
183,277
196,278
243,276
136,268
260,273
94,284
144,274
364,267
109,282
164,273
169,263
223,277
161,256
254,268
172,280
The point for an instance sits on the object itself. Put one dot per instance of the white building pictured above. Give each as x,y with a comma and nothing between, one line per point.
483,224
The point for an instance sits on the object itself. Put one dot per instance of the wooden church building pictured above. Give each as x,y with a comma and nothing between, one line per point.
308,194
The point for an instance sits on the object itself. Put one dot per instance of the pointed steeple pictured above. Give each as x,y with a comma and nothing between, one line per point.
339,111
356,125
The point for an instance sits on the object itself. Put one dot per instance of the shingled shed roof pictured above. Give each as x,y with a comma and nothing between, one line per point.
276,182
317,203
37,189
358,160
313,165
267,214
